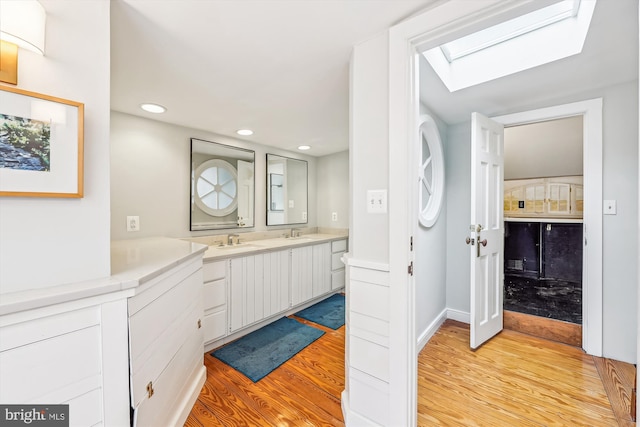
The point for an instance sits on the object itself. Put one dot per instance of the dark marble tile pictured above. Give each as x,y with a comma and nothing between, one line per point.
554,299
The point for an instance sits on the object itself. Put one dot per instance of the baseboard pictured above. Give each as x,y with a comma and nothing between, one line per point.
190,397
426,335
353,419
460,316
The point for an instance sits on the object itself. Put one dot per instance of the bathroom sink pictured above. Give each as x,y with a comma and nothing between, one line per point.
238,246
301,239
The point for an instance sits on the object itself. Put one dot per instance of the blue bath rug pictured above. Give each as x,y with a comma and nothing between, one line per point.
329,313
262,351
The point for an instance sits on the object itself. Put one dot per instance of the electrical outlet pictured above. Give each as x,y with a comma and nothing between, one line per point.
304,216
334,216
291,204
133,223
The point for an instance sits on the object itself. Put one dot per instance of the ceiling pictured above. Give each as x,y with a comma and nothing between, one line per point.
278,67
281,67
609,57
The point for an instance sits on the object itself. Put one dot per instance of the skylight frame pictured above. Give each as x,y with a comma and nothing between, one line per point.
509,30
547,44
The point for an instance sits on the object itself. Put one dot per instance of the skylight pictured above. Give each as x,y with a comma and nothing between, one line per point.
510,29
545,35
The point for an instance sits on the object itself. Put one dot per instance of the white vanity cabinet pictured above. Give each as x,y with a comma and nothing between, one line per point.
321,280
56,354
301,274
338,249
259,287
215,300
166,343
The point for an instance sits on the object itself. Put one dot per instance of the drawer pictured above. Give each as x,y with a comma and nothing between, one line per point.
215,325
336,262
59,368
160,328
214,270
215,294
337,279
339,246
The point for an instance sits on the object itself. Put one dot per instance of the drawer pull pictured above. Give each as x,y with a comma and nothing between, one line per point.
199,323
150,389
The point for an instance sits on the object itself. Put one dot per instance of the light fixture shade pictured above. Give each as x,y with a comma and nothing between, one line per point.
22,22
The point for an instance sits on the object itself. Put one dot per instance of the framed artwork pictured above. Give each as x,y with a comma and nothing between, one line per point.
41,145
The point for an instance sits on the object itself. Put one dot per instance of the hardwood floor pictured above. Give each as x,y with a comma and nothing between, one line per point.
513,380
304,391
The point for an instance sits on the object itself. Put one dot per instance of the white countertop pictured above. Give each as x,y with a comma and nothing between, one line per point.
265,245
133,262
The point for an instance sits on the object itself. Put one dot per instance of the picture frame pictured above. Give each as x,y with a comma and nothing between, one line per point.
41,145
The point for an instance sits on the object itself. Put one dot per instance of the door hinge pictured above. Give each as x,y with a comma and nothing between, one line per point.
411,243
410,268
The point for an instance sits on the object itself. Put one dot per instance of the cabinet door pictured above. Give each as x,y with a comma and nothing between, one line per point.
301,274
259,287
321,282
276,282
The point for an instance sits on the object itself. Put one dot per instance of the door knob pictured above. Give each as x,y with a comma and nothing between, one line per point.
470,241
483,242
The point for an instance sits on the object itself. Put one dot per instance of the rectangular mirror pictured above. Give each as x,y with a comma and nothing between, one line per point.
222,186
286,190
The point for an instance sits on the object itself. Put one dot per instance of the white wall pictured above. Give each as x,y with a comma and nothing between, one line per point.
620,252
431,260
333,190
45,241
150,172
368,157
545,149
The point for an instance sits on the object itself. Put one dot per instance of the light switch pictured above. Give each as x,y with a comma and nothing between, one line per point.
610,207
377,201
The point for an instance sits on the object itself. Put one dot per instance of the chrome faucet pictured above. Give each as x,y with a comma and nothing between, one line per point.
295,232
230,239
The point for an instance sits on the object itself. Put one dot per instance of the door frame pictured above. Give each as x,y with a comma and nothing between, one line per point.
439,23
591,111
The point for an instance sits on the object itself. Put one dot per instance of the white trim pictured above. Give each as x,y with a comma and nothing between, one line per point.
362,263
460,316
430,331
436,25
592,285
353,419
188,399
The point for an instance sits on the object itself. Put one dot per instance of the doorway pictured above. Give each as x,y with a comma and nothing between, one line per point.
543,242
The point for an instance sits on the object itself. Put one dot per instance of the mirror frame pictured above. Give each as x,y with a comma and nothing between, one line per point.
192,185
268,191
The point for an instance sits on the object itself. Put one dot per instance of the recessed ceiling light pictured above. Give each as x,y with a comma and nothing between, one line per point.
244,132
304,147
153,108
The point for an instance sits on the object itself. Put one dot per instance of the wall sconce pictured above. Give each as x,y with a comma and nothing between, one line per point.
22,24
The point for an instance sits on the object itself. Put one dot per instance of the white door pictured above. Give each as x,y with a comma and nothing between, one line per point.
486,238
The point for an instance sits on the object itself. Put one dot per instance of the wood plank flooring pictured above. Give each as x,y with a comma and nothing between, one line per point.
304,391
513,380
